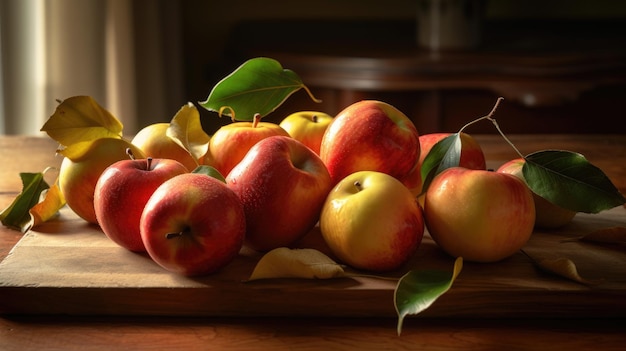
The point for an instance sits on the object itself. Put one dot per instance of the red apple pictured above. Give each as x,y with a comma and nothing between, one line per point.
282,185
472,155
548,215
371,221
307,127
480,215
193,224
230,143
122,192
370,135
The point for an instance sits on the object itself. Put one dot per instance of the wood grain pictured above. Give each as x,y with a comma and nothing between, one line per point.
71,332
69,267
278,334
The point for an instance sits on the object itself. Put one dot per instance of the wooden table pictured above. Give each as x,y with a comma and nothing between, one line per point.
54,332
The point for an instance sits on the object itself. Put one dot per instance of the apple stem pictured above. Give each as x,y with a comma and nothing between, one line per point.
358,185
314,118
129,152
492,119
149,163
173,235
177,235
257,119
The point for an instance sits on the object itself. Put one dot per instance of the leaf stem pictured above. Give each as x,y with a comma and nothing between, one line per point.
130,154
311,94
492,119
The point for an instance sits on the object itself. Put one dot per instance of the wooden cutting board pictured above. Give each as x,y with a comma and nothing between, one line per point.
69,267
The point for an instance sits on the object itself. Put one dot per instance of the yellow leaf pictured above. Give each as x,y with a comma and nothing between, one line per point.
296,263
186,130
51,202
561,266
80,119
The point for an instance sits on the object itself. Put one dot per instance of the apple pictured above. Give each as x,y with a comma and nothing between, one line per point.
371,221
308,127
413,180
282,185
230,143
154,142
547,214
193,224
122,192
78,176
370,135
480,215
472,155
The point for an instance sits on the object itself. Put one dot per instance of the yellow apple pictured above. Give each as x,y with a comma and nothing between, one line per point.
155,143
78,176
371,221
308,127
548,215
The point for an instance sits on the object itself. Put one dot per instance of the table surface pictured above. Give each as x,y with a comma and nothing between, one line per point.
157,333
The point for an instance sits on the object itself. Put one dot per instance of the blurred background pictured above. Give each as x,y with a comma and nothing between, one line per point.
560,64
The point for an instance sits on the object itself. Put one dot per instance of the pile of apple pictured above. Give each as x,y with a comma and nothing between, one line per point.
356,175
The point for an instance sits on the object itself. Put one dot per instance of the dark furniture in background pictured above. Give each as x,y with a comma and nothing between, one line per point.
555,76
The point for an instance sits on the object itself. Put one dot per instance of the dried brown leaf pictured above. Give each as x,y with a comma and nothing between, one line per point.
561,266
610,235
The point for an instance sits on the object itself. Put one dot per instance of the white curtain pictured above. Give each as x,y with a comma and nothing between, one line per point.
123,53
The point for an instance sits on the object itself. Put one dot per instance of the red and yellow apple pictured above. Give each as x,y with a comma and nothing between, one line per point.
230,143
308,127
78,176
154,142
122,192
371,221
370,135
472,155
413,180
282,185
193,224
480,215
548,215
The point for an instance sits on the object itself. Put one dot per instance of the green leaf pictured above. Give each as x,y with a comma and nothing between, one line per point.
258,86
446,153
210,171
419,289
17,215
81,119
568,180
